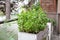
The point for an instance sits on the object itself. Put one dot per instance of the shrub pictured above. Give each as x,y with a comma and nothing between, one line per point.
33,20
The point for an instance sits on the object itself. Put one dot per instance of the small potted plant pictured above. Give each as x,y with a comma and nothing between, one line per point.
32,24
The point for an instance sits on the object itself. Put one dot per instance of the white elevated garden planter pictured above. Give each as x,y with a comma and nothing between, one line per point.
30,36
42,35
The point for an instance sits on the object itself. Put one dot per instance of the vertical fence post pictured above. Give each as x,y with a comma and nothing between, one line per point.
49,25
7,2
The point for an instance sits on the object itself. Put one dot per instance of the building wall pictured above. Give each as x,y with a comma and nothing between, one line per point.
48,5
58,11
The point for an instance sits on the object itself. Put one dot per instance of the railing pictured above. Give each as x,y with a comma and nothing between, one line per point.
3,19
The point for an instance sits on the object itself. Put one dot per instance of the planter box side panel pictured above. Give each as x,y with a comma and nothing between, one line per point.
26,36
42,34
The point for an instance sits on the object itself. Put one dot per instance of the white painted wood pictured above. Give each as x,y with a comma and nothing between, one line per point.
50,30
26,36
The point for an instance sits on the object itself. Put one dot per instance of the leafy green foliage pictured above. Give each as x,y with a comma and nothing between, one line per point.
33,20
52,21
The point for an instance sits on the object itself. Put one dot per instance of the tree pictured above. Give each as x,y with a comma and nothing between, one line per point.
7,9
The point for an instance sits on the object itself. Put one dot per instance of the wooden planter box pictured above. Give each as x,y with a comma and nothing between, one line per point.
28,36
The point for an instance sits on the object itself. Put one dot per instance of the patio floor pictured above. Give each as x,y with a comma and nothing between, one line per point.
10,30
55,37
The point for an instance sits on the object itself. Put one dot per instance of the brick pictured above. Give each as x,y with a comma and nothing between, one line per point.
48,5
